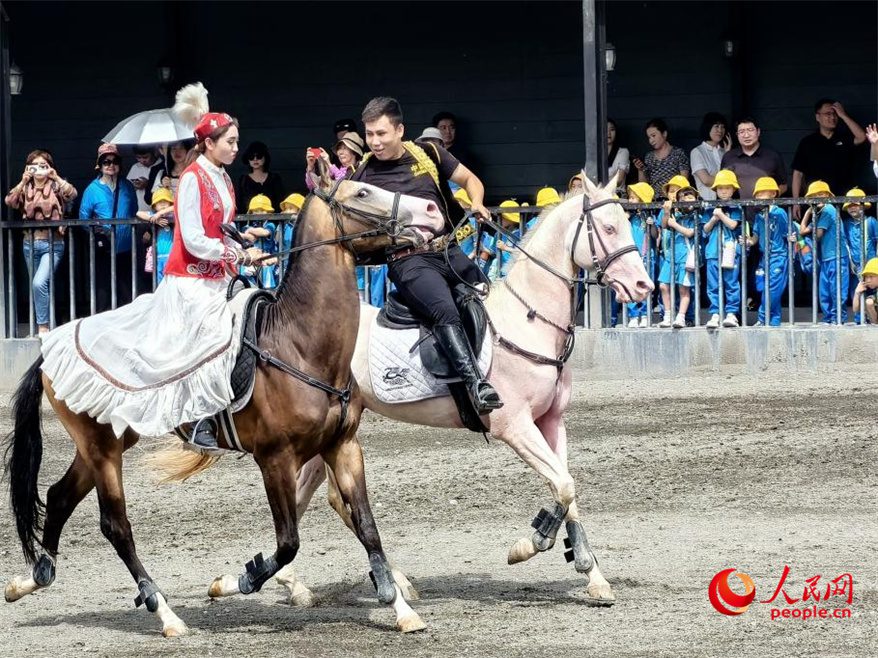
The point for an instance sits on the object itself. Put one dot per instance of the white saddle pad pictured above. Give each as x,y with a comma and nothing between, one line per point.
397,372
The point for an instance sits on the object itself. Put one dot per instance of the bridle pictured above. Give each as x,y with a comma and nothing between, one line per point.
381,224
600,264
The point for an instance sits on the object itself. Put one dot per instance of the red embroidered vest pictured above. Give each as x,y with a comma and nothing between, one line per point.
180,261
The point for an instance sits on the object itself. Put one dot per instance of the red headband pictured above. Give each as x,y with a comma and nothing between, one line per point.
210,122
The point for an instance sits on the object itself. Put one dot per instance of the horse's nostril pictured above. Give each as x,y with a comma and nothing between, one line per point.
644,286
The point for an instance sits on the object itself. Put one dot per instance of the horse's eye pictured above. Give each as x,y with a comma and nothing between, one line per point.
610,229
363,193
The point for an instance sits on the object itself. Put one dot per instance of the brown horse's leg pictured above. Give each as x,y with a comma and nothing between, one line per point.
278,468
346,461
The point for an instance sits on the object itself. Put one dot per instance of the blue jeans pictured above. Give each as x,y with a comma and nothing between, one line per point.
45,268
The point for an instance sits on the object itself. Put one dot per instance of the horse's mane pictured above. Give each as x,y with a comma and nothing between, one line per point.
530,233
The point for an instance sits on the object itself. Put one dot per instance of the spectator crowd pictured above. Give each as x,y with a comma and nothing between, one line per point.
716,249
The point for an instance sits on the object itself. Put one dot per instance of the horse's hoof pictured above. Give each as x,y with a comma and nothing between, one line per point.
301,596
600,596
175,630
223,586
521,550
15,590
409,593
410,623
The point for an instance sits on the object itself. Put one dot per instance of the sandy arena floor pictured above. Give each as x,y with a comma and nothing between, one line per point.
677,479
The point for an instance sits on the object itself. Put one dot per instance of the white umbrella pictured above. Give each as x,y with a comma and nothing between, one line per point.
150,127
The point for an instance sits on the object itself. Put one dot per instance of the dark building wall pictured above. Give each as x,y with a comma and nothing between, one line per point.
511,71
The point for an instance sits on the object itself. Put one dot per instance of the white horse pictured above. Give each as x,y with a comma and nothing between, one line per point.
535,395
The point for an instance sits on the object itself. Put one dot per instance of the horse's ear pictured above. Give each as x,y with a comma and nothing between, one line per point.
613,183
321,175
590,188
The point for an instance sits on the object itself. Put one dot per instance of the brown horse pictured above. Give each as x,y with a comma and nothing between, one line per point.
312,328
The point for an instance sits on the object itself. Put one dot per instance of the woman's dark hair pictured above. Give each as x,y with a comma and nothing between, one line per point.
613,151
441,116
201,147
256,149
40,153
709,121
658,124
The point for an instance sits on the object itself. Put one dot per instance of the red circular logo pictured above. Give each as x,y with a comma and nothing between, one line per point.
724,600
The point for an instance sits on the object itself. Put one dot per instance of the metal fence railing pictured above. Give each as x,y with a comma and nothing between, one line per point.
99,271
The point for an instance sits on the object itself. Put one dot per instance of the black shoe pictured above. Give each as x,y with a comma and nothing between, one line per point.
205,434
452,340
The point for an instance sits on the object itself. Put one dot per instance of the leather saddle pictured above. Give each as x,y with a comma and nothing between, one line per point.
397,315
248,305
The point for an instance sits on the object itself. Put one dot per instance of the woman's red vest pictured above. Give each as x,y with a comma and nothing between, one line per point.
180,261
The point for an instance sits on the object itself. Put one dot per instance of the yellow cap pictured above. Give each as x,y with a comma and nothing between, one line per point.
818,187
642,191
871,267
548,196
463,198
678,180
725,177
295,200
510,216
260,202
855,192
766,184
162,194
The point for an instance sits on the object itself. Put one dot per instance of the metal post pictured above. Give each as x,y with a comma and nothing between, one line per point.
30,286
766,267
112,280
717,234
791,294
863,228
697,301
134,261
6,309
12,308
52,278
815,268
92,287
838,307
5,331
744,231
673,286
155,256
71,261
649,272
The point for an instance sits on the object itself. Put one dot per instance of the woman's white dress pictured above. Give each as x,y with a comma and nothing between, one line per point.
165,358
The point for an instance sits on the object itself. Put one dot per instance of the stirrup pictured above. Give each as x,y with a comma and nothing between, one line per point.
204,434
485,397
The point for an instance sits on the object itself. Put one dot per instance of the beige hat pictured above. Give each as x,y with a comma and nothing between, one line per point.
353,141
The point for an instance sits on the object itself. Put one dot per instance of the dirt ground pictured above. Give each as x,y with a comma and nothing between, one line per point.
677,479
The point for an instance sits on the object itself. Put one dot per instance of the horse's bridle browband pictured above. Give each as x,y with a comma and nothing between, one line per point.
600,265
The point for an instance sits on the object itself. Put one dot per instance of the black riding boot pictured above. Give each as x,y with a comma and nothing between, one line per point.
205,434
452,340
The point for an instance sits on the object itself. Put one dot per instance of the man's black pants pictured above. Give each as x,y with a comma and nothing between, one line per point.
425,282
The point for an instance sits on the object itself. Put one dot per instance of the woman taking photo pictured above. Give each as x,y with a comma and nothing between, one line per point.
349,150
41,196
664,161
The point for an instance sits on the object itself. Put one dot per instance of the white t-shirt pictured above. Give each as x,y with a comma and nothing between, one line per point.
139,171
705,157
621,162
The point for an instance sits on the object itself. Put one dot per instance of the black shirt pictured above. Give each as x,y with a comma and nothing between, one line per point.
832,160
747,168
407,176
272,187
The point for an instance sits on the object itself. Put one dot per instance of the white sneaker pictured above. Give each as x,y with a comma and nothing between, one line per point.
666,322
633,323
731,320
679,321
644,322
713,323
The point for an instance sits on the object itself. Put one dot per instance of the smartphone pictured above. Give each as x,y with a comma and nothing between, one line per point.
315,152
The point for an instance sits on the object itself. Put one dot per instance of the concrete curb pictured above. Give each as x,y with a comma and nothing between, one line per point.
627,353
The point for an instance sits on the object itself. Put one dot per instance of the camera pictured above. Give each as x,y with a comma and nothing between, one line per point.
314,151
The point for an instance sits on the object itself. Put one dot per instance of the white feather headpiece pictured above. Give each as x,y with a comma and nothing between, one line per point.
191,103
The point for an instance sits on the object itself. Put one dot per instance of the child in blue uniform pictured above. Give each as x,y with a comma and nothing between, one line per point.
771,231
721,228
868,288
162,216
680,221
261,205
831,270
861,233
642,226
497,250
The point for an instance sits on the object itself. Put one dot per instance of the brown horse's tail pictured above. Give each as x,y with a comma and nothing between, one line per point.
175,463
24,453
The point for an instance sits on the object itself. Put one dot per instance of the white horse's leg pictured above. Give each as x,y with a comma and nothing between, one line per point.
523,436
598,590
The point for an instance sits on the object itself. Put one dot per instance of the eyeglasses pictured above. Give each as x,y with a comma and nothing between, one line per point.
257,157
746,131
109,163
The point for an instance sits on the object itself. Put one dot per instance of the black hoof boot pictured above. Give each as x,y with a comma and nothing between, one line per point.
205,434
